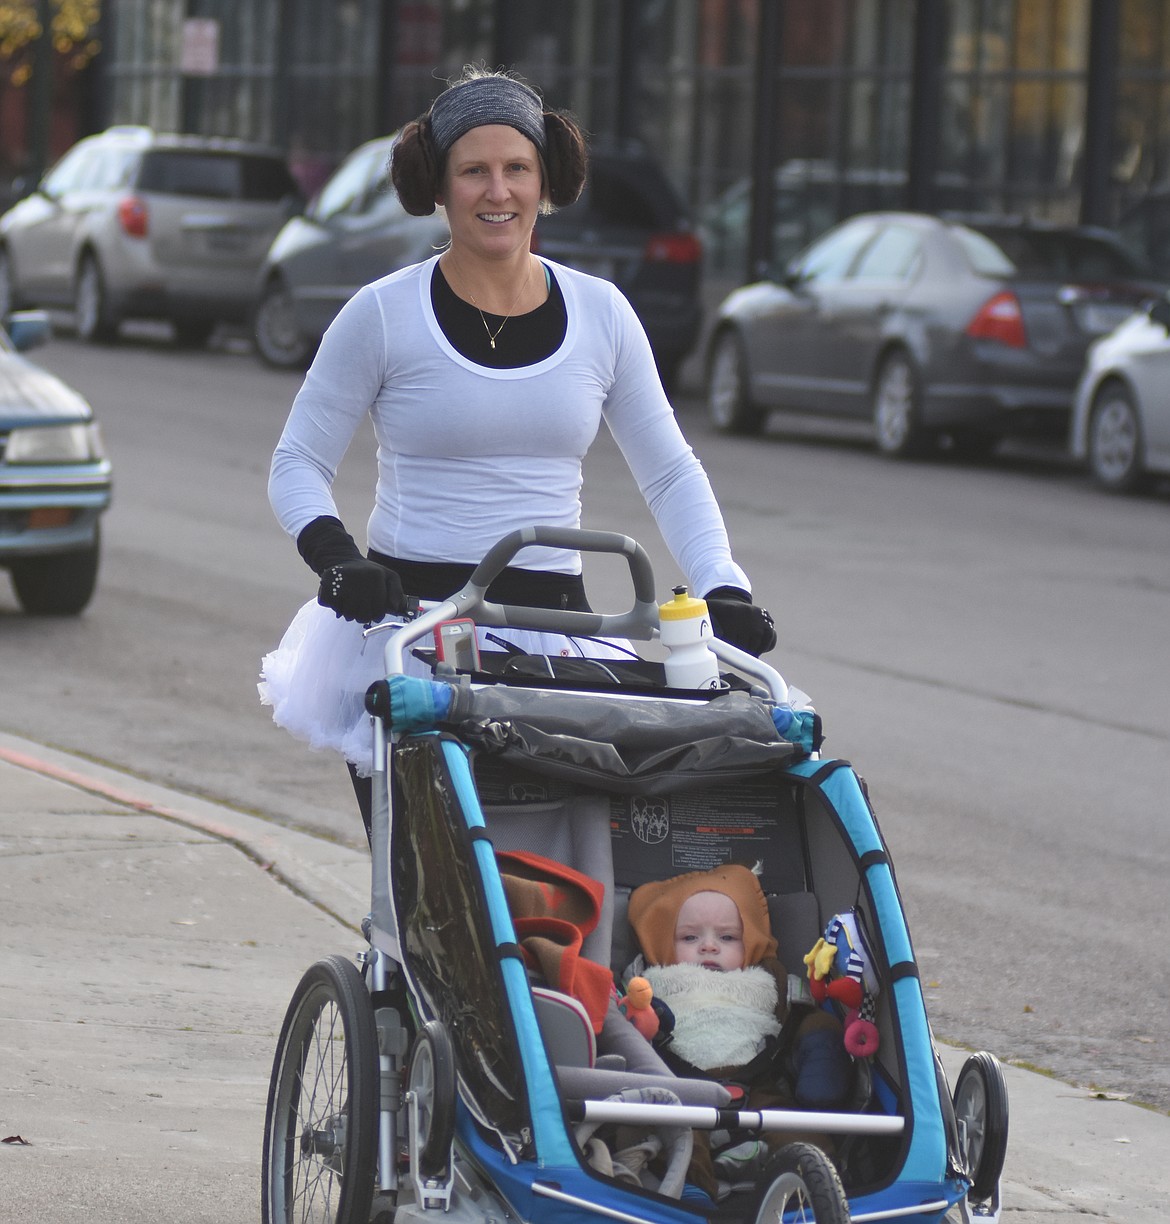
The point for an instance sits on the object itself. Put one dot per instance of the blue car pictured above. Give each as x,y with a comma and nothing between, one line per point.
55,480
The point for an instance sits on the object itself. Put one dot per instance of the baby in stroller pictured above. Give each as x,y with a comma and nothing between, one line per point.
722,996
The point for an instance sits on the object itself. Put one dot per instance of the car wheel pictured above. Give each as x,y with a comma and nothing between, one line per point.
92,315
279,341
192,333
7,294
897,407
57,585
728,398
1115,440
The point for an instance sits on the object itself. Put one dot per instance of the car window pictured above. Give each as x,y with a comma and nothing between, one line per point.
831,258
982,254
267,179
218,176
1061,254
349,183
108,170
69,170
631,192
893,255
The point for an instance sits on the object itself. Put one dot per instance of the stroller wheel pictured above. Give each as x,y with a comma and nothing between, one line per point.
321,1128
801,1185
431,1081
981,1108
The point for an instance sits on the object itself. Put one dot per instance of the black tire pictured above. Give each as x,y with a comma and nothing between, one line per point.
58,585
897,408
7,289
981,1108
279,341
431,1078
321,1126
728,397
801,1179
1115,440
93,319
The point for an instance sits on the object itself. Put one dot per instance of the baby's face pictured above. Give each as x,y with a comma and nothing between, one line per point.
709,932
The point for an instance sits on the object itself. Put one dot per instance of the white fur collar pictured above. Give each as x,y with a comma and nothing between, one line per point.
721,1019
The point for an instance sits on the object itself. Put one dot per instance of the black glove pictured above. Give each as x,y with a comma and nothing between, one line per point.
356,588
736,620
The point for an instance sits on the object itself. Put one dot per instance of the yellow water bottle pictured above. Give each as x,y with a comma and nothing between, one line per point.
684,626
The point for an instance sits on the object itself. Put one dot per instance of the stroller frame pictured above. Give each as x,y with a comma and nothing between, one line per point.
936,1162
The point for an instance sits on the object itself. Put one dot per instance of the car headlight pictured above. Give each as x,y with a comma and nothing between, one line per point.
79,443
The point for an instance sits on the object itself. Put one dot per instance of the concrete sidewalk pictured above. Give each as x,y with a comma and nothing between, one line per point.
149,945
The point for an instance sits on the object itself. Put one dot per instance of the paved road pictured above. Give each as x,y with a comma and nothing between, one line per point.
151,944
986,644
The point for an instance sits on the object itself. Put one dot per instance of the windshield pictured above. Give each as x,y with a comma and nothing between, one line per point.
1046,254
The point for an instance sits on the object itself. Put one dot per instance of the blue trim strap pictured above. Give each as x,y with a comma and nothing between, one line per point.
926,1157
553,1146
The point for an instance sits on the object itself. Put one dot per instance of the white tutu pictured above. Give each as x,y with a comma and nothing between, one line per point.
316,679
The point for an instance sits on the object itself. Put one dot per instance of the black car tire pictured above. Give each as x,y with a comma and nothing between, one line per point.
57,585
897,408
728,398
279,341
1115,440
92,316
7,293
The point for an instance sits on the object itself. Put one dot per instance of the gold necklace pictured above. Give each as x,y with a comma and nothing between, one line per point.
492,336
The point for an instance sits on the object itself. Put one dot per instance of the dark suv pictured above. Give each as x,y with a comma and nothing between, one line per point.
135,224
632,227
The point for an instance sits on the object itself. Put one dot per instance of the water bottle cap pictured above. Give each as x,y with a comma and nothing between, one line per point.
682,606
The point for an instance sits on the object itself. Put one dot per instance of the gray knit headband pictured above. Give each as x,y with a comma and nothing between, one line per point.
490,99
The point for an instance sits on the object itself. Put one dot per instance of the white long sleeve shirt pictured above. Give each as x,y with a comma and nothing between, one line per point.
467,454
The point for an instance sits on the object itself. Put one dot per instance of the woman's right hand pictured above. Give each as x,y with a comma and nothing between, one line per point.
361,590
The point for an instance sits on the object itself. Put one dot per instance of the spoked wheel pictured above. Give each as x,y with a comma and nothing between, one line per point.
321,1129
1115,441
431,1082
981,1108
801,1186
897,399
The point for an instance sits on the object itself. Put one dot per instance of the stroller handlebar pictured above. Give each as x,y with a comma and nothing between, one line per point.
640,623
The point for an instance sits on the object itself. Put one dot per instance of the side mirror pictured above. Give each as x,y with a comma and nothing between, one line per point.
28,329
1160,313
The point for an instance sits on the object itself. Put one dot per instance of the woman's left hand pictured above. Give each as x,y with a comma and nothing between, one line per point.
739,622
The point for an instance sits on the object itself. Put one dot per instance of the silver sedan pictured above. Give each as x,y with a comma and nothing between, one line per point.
930,328
1121,422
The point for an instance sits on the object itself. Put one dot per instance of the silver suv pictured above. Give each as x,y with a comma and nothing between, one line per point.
131,223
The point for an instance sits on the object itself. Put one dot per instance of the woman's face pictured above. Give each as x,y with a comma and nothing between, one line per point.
492,191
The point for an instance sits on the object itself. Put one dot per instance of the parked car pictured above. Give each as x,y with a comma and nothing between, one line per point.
931,327
54,479
131,223
630,226
354,231
1121,419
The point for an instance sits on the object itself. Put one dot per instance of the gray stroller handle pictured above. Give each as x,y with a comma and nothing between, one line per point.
639,623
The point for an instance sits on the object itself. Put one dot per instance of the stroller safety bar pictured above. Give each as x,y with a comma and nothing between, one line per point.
640,623
700,1117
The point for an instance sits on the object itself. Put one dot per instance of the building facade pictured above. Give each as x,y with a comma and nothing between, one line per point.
807,108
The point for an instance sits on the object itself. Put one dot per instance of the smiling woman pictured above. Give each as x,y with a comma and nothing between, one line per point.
487,372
